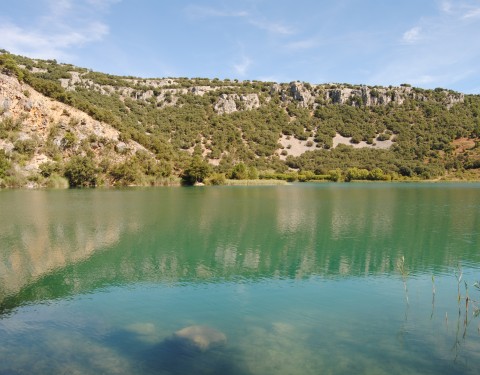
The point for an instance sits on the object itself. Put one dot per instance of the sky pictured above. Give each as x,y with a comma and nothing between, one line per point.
425,43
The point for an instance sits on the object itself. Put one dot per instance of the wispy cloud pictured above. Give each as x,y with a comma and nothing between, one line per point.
472,13
444,61
271,27
64,26
196,11
241,67
462,9
446,6
412,35
302,44
102,4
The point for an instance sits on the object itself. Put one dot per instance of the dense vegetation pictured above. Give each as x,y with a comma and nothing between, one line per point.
187,136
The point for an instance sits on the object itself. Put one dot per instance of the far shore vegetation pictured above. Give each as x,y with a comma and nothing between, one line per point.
191,131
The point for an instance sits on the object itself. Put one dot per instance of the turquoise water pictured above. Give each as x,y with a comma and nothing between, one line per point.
301,279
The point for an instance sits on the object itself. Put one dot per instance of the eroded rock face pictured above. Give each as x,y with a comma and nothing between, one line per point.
43,120
301,94
201,337
229,103
225,104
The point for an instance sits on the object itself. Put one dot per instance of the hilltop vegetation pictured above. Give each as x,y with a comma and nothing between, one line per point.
101,129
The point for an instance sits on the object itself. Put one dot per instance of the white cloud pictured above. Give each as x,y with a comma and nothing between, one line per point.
302,44
195,11
412,35
241,68
270,79
472,13
42,44
446,6
63,26
463,9
202,12
102,4
271,27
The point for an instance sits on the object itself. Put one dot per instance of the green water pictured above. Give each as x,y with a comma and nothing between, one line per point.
301,279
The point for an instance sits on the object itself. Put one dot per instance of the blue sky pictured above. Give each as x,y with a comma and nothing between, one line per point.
427,43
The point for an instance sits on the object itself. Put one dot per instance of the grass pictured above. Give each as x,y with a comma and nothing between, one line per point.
254,182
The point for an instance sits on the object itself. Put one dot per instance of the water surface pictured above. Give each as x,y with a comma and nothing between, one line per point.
301,279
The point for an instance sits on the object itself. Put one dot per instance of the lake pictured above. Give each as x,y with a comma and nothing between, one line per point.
359,278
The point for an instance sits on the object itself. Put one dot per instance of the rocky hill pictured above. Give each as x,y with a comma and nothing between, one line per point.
62,123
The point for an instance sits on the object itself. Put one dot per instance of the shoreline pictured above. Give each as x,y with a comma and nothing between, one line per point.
244,183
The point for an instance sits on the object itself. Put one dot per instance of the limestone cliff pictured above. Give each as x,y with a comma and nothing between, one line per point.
43,130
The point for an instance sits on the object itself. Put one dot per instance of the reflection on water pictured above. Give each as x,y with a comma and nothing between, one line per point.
42,232
298,278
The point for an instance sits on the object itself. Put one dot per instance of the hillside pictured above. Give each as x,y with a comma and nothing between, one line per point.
62,123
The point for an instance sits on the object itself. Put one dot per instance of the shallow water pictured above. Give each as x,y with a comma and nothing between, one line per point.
301,279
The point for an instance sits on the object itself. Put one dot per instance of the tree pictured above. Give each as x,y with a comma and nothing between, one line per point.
356,174
80,171
4,164
197,171
240,172
9,66
376,174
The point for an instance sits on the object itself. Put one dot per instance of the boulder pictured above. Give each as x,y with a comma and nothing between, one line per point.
201,337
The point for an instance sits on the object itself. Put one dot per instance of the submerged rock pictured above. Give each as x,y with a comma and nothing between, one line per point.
201,337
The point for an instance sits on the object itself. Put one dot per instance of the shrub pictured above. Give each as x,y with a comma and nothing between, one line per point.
25,147
126,173
335,175
4,164
9,66
377,174
81,171
383,137
197,171
48,168
68,140
356,174
57,182
252,173
240,172
8,124
216,179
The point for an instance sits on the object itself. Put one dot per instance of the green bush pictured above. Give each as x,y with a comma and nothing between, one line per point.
9,66
127,173
377,174
197,171
48,169
80,171
57,182
383,137
216,179
68,140
356,174
335,175
240,172
8,125
4,164
25,147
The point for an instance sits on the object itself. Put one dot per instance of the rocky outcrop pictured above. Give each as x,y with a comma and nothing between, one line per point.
225,104
309,96
229,103
166,92
41,120
301,94
201,90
